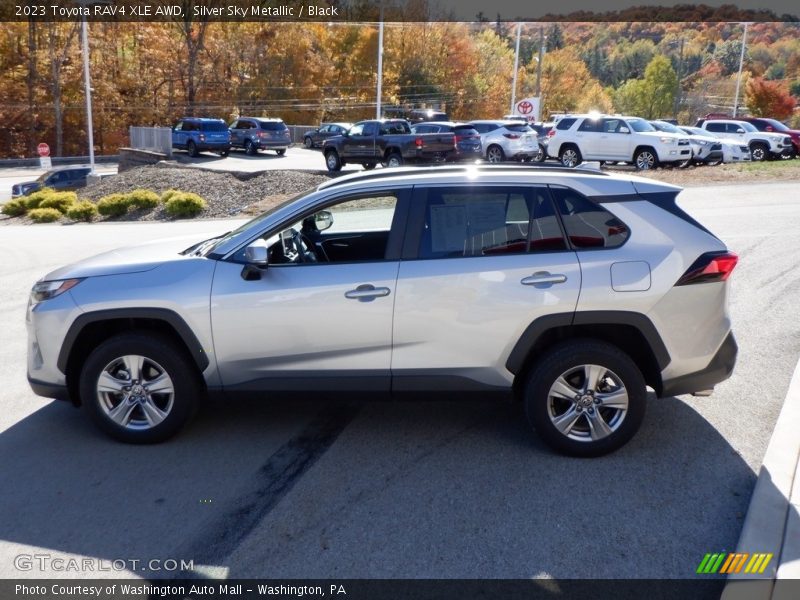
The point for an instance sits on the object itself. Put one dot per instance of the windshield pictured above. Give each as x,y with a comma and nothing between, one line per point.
695,131
640,125
777,125
252,223
668,127
747,126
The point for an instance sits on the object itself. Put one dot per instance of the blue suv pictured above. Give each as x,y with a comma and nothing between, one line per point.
195,134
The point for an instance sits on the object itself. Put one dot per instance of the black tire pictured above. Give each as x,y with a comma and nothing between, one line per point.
495,154
368,166
542,156
570,357
250,148
280,152
645,159
224,153
191,148
308,143
332,161
393,160
570,156
158,352
759,152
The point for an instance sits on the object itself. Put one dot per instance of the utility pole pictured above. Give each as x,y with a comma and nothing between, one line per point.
380,65
678,84
739,76
516,68
539,66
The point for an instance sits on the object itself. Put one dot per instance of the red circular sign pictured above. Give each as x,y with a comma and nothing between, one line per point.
525,107
43,149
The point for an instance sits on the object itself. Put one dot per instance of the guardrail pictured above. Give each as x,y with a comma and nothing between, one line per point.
10,163
155,139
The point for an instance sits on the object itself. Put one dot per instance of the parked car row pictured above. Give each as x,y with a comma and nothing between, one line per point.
251,134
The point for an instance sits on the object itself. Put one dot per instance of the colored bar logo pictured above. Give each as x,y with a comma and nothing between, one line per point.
734,562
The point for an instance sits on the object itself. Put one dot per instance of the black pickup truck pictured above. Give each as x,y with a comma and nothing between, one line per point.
389,142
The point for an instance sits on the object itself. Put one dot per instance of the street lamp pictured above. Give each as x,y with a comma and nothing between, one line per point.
86,78
739,76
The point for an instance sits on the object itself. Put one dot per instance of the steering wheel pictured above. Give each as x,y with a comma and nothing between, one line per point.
304,247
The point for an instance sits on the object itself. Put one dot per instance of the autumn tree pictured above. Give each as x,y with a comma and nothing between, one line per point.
768,99
567,85
652,97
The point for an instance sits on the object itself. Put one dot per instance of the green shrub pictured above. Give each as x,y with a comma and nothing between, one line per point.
169,194
142,199
35,199
113,205
82,211
15,208
61,201
184,204
44,215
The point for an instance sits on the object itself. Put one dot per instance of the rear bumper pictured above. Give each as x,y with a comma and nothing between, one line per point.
718,370
270,145
49,390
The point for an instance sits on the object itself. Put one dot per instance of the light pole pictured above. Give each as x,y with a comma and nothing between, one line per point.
739,76
516,68
87,83
380,65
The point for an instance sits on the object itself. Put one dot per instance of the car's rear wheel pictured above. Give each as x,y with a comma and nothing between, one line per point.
250,148
394,160
570,156
495,154
224,153
191,148
759,152
645,159
369,166
138,388
585,398
280,152
541,155
332,161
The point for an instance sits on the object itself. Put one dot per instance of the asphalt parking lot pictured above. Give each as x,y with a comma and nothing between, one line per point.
294,488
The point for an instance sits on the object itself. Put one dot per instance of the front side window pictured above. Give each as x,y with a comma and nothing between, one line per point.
588,224
487,222
357,129
715,127
353,230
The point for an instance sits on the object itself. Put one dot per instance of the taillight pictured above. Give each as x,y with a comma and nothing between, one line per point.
512,136
551,133
418,142
710,267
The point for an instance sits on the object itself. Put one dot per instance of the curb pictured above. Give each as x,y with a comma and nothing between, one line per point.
772,523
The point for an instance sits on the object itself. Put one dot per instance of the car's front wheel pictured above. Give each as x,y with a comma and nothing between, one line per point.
495,154
645,159
759,152
308,142
570,156
585,398
139,388
332,161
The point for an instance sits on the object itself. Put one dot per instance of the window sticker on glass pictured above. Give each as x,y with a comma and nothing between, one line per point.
448,227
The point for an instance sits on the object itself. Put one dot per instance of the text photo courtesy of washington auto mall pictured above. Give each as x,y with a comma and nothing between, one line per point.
410,299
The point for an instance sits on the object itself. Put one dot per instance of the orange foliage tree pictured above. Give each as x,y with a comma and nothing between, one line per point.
769,99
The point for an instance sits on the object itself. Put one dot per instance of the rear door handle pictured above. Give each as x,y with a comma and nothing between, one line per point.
367,293
544,279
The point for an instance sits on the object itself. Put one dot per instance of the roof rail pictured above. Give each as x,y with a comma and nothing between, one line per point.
584,169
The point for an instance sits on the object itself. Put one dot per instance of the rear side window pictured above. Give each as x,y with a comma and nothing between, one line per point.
488,222
565,124
588,225
590,125
465,130
214,126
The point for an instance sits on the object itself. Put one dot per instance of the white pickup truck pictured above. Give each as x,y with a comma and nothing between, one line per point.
763,145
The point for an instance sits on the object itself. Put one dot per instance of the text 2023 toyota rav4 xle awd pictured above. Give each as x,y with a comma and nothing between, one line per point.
572,291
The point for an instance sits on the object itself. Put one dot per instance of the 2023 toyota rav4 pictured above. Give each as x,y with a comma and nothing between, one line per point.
568,289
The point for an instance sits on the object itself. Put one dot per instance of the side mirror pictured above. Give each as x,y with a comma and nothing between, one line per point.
624,130
740,130
323,220
256,255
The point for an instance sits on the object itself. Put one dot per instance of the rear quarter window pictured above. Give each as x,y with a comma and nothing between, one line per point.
588,225
565,124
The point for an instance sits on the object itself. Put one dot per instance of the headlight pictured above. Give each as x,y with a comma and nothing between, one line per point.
668,140
776,138
701,142
45,290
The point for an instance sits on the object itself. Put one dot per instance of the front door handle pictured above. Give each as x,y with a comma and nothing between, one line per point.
544,279
367,293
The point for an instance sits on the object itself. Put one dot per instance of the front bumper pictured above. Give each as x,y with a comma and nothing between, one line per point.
674,153
49,390
718,370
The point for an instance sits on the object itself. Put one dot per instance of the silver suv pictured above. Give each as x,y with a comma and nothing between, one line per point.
507,140
570,290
